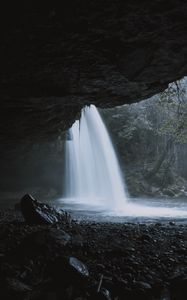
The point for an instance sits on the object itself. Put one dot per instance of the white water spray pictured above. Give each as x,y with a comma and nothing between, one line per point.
93,173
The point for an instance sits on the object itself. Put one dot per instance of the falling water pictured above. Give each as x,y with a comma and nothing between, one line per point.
93,177
92,168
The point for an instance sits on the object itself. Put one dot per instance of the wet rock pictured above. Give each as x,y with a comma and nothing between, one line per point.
72,270
35,212
142,285
100,267
128,276
102,294
53,236
172,223
146,237
78,267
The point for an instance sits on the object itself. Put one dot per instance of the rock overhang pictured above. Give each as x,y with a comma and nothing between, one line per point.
55,60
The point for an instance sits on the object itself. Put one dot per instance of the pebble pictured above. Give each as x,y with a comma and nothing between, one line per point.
134,265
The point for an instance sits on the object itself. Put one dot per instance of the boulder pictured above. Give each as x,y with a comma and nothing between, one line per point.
35,212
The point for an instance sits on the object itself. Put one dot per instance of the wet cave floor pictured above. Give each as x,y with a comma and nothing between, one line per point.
115,260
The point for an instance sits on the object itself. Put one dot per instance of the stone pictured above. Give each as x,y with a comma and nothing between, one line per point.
103,294
78,266
142,285
35,212
53,236
71,270
146,237
172,223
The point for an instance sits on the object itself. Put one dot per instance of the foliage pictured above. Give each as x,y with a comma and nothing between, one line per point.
173,103
151,136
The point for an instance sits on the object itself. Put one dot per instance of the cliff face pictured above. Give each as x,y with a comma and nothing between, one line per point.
55,59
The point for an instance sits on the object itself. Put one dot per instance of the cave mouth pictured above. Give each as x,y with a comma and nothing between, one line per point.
150,140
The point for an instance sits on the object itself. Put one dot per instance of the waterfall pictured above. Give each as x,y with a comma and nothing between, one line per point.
93,177
93,174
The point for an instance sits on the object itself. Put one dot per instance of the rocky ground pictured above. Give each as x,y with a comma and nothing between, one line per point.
91,261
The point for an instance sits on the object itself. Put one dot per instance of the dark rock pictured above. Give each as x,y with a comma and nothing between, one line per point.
86,52
78,267
128,276
44,241
35,212
142,285
103,294
51,235
172,223
178,287
146,237
72,270
158,224
100,267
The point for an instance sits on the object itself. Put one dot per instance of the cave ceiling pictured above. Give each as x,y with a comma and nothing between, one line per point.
55,60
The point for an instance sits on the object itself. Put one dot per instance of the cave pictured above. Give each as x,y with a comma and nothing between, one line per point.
57,60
